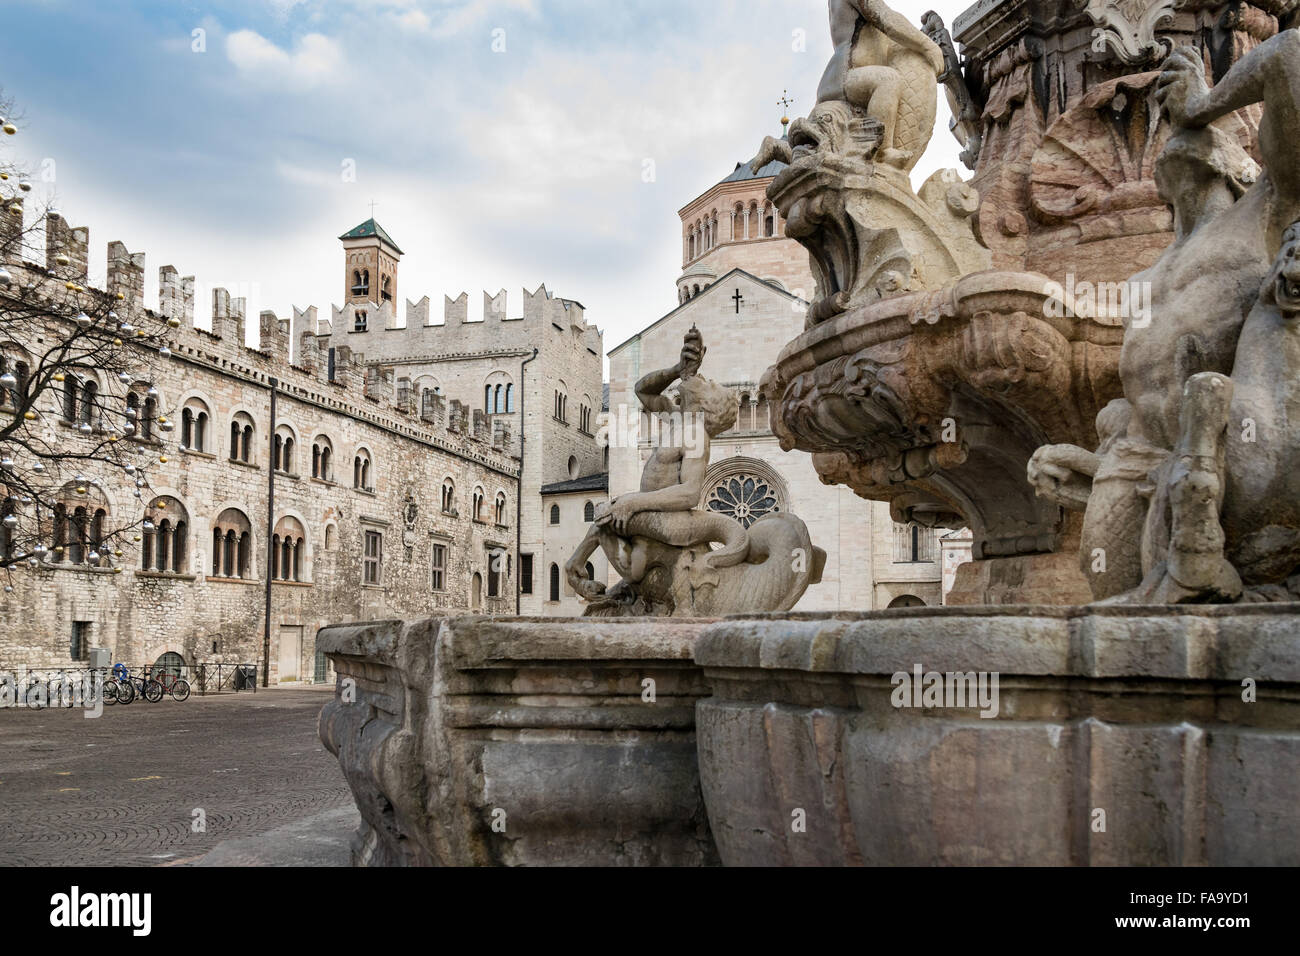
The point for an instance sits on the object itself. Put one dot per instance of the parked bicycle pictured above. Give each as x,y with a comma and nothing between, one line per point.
174,684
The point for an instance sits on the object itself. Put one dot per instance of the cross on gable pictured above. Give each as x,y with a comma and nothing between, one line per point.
738,298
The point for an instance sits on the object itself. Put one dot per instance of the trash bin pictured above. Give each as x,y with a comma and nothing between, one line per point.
246,677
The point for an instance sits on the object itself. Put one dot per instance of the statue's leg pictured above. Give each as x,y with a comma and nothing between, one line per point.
878,90
1195,567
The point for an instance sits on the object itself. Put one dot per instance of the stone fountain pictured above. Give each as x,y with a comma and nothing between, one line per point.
1085,354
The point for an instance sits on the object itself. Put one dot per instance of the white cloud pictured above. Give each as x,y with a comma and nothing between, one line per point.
315,60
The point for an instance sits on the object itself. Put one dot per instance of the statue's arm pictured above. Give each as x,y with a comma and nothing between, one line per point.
901,30
650,388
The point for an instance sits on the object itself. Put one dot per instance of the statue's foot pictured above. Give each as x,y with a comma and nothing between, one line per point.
898,158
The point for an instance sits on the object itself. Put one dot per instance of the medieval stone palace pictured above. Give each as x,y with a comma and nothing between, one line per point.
396,458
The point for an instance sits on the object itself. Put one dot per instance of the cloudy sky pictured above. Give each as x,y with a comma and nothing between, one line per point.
503,141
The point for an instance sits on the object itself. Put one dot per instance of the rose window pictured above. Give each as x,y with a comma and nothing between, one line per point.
743,497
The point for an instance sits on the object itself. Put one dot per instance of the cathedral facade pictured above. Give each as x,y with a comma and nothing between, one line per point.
746,286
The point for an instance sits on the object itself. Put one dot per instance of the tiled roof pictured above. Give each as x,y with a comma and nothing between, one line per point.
598,482
370,228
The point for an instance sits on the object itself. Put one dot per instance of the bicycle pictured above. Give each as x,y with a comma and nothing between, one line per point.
148,688
175,685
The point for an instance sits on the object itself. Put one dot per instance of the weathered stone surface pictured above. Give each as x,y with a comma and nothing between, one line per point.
1137,712
545,728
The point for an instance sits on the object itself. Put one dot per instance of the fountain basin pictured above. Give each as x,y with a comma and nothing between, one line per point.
1121,738
521,741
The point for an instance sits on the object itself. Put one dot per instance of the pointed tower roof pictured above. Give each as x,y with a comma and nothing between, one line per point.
370,228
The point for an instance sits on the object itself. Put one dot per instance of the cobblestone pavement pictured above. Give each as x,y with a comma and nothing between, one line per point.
122,788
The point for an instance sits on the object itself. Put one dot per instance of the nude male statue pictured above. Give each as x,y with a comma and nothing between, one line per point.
889,68
672,480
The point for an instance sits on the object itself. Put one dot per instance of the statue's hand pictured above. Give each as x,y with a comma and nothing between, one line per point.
1055,472
1181,89
619,514
692,353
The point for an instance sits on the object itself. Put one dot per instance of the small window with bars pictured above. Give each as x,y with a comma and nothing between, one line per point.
374,557
439,566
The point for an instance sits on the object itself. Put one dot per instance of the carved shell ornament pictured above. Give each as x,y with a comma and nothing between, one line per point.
1128,28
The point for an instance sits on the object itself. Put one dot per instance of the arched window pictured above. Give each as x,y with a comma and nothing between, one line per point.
510,397
555,514
448,497
69,397
282,448
385,289
477,504
573,466
322,454
555,582
476,592
589,512
487,398
232,545
79,519
361,471
89,401
149,414
499,508
164,536
331,537
288,553
241,437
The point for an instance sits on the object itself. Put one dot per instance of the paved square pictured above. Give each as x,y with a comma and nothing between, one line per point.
122,789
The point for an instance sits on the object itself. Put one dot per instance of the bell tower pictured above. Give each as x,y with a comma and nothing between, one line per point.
370,260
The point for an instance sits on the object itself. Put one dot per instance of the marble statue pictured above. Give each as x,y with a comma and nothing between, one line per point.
1193,494
659,540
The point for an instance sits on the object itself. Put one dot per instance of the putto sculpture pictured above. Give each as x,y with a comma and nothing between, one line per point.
1192,495
661,542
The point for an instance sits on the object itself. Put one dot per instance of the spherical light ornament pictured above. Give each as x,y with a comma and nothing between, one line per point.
32,562
29,415
132,414
83,320
165,352
5,277
117,341
7,463
25,186
85,428
81,489
39,468
166,426
57,376
11,521
120,296
161,505
8,380
136,538
163,459
153,391
129,469
117,552
16,209
139,482
62,259
112,316
173,323
40,550
128,429
9,128
9,589
137,494
124,377
93,556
